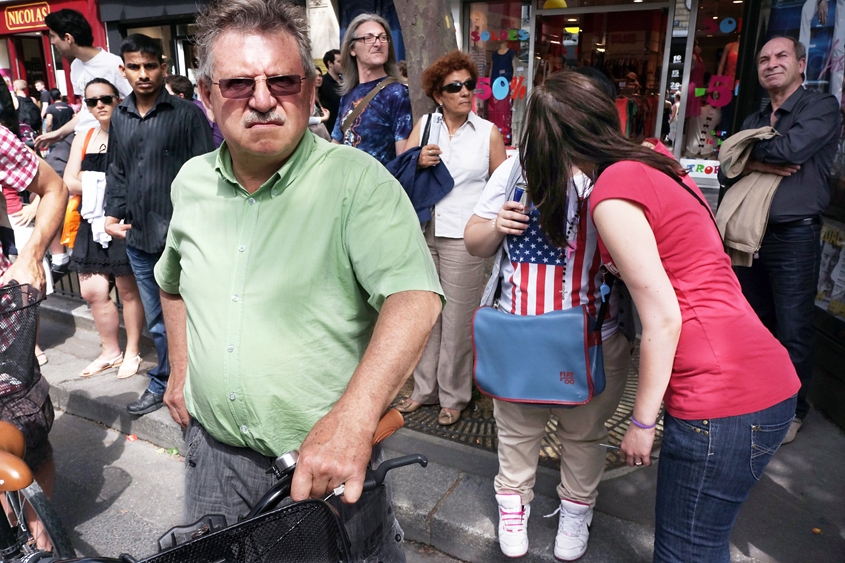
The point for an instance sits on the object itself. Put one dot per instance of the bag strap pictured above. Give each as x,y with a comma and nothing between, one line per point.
362,105
704,205
426,131
87,139
608,280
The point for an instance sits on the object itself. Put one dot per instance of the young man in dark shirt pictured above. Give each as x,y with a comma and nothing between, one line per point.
44,97
57,113
153,133
330,89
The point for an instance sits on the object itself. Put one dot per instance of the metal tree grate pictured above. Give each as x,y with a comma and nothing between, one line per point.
477,426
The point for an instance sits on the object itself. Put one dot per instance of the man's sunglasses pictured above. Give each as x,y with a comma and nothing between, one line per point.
455,87
92,102
241,88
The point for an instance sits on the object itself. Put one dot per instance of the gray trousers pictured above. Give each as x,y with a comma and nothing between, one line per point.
444,374
223,479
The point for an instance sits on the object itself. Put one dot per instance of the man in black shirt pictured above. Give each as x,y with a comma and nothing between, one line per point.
330,89
781,283
57,113
153,133
45,98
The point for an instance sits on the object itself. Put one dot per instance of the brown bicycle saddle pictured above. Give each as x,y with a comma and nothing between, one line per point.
14,472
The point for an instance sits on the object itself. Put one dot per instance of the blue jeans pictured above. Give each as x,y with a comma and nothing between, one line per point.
142,266
706,470
781,287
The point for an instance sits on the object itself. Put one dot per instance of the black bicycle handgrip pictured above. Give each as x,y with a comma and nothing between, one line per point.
375,477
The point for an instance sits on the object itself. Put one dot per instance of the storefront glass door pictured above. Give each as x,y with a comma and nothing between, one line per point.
628,47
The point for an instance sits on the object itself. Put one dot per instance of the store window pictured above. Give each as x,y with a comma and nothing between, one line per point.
163,34
628,49
552,4
498,42
711,95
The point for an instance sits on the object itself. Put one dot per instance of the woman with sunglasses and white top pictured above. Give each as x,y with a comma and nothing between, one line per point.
94,262
471,148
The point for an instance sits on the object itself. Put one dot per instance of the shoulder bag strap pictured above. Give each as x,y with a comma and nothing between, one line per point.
426,131
362,105
87,140
602,313
704,205
513,178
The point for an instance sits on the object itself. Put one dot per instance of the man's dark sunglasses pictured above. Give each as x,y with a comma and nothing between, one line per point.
241,88
92,102
455,87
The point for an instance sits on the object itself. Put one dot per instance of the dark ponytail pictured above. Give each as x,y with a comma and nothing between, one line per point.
571,121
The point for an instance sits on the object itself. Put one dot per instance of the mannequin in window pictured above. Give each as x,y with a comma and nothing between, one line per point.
502,63
499,111
727,66
835,58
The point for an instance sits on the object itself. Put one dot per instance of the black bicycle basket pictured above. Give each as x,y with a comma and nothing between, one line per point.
304,532
18,329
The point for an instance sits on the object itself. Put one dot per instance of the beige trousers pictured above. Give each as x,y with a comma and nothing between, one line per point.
444,374
580,430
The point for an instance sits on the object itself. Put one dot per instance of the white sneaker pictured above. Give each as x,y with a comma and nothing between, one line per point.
573,530
513,525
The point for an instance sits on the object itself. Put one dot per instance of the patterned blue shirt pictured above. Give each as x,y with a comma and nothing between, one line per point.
386,120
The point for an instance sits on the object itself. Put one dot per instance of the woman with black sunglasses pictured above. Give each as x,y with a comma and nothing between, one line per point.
95,257
471,148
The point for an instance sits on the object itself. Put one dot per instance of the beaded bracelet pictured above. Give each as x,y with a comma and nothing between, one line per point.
641,425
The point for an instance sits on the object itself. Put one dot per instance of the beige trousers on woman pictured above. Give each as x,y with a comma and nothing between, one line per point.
580,431
444,374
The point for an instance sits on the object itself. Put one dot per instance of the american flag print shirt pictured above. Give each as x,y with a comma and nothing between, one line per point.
533,280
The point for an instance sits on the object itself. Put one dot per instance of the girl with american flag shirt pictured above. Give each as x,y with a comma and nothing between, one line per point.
538,278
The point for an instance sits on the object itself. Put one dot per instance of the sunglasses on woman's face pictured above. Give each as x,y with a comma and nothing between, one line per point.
455,87
242,88
92,102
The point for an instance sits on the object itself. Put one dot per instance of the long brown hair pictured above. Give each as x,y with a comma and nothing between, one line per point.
572,121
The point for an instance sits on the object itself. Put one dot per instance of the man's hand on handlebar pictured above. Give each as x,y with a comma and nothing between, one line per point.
336,452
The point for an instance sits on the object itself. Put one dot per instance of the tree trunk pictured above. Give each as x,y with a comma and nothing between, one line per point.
428,31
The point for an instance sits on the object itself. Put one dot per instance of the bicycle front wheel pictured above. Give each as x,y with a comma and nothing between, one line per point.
32,514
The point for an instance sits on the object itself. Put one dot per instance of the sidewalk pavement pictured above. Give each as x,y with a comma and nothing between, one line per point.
795,513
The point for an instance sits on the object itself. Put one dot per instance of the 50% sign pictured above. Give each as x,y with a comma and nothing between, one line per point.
501,88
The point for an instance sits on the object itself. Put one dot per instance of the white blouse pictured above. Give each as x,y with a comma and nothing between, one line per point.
467,157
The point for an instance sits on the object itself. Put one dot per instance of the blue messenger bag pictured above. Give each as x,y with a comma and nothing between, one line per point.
551,360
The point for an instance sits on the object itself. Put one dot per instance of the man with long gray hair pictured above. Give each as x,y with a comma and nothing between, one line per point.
375,110
297,289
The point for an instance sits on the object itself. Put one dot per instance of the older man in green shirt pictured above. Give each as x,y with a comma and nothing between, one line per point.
297,289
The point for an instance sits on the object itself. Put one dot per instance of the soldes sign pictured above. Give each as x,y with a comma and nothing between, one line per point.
501,35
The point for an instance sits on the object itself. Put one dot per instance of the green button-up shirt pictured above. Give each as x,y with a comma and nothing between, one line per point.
283,286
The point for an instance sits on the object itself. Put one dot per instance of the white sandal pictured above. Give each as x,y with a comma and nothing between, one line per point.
131,367
99,366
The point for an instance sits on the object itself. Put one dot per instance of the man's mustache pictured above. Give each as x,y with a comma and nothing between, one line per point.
270,116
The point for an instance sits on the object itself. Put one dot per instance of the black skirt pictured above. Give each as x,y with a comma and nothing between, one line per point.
90,257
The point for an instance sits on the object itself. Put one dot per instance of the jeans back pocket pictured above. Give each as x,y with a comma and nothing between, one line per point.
765,441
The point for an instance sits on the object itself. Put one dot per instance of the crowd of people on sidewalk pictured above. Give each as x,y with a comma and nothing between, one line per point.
298,247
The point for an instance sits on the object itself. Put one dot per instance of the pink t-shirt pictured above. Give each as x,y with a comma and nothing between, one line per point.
727,363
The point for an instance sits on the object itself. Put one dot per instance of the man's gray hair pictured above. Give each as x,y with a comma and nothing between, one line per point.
800,49
349,65
250,16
